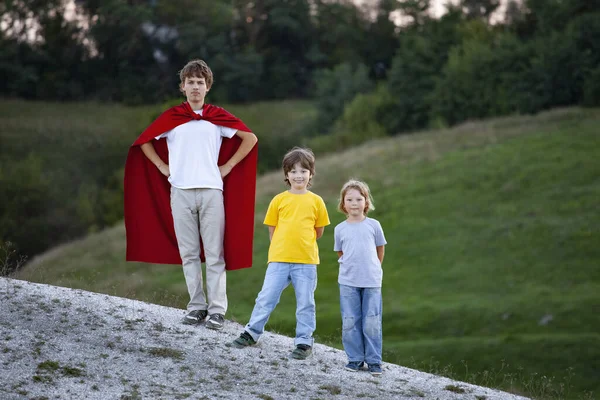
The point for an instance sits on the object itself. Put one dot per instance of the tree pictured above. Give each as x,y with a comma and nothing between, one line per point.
479,9
422,53
41,51
341,30
334,88
416,10
482,78
383,32
281,34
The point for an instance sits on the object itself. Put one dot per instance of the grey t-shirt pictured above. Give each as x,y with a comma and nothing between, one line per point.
359,265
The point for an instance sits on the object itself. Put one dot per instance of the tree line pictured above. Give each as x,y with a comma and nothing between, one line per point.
536,54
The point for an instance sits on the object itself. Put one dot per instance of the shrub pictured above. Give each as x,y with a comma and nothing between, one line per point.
362,120
337,87
591,89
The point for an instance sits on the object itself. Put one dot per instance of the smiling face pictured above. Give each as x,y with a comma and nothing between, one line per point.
355,200
195,89
298,177
355,203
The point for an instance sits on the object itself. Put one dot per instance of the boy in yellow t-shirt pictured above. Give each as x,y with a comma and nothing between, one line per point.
296,219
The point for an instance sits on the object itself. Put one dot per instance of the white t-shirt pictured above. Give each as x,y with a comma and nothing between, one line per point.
359,265
193,154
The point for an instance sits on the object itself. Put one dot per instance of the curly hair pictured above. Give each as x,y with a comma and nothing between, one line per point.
364,191
197,68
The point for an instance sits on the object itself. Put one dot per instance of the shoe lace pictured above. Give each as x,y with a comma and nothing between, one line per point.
303,346
247,336
218,317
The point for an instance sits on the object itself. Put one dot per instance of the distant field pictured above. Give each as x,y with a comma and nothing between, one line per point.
491,269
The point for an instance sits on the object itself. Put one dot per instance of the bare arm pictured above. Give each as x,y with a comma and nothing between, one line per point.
320,231
150,152
249,139
271,230
380,253
340,254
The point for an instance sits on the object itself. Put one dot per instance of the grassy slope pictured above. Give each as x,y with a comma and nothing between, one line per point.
491,227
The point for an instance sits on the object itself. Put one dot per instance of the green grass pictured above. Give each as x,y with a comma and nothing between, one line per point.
491,269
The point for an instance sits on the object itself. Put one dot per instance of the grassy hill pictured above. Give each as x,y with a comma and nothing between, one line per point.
491,270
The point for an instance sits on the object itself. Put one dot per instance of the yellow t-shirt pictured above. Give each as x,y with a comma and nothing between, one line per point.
295,217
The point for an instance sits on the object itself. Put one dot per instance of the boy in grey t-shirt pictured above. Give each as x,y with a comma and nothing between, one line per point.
360,244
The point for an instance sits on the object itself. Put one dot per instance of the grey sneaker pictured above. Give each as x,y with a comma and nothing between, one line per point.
215,321
244,340
375,369
354,366
301,352
195,317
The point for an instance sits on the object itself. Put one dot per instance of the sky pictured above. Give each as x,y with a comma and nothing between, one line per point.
438,8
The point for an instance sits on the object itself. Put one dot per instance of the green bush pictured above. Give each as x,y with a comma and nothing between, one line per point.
591,89
26,198
422,53
482,78
337,87
362,120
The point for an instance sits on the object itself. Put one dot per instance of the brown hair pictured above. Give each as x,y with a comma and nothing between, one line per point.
305,157
364,191
197,68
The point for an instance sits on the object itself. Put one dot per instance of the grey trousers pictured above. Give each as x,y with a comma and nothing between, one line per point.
199,213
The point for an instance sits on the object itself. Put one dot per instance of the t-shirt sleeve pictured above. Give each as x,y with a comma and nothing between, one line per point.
272,213
227,132
322,215
163,135
379,236
337,240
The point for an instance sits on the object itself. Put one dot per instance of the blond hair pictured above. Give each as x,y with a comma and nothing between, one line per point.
301,155
197,68
364,191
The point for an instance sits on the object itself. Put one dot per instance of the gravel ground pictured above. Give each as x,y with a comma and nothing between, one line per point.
60,343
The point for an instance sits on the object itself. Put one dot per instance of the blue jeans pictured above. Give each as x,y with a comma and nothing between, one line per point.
361,323
303,278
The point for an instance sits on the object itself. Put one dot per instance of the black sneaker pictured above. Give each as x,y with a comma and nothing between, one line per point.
244,340
301,352
215,321
195,317
375,369
355,366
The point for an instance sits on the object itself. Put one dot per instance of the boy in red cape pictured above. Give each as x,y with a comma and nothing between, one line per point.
190,181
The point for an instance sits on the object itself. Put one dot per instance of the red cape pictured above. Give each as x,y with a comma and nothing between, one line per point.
148,219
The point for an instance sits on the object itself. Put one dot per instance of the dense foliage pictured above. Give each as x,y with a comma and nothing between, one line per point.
476,60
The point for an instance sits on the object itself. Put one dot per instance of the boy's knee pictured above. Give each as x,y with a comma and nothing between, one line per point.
189,257
372,326
348,323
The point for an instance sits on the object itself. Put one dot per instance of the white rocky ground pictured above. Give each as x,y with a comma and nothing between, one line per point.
59,343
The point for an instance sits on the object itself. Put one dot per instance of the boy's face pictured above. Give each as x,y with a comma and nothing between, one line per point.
195,89
299,177
354,203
